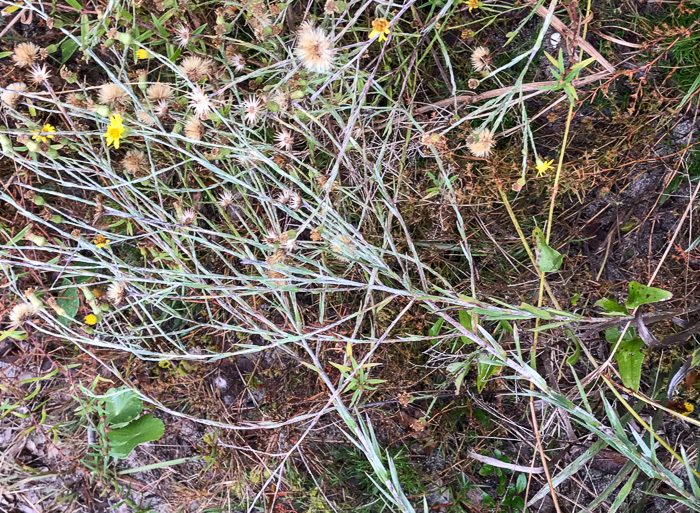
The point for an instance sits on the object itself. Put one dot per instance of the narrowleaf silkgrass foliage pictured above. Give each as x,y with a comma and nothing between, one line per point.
191,263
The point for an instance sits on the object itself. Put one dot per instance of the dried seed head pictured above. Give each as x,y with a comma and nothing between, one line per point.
200,103
194,129
237,61
285,139
315,48
182,35
331,7
21,313
74,100
225,199
290,198
187,217
481,59
145,118
116,292
25,54
134,162
271,237
195,67
252,109
481,143
11,96
39,75
473,83
282,99
113,95
159,92
161,109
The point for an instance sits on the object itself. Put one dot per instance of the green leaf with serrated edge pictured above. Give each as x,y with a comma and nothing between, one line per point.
145,429
611,306
642,295
547,259
629,359
122,405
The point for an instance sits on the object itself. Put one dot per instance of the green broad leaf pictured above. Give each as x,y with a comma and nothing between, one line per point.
548,260
521,483
435,329
612,335
630,359
146,429
69,300
75,4
465,319
122,406
642,295
484,371
486,470
611,306
68,48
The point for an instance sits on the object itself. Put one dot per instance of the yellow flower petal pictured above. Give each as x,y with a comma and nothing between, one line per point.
91,319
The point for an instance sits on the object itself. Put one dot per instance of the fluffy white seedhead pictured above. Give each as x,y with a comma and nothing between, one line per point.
481,59
113,95
21,313
481,143
314,48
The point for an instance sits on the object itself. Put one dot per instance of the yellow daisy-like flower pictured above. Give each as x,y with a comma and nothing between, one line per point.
47,129
543,166
114,130
141,54
91,319
380,27
101,241
473,4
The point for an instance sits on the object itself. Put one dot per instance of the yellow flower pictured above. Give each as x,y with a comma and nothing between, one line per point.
101,241
380,27
91,319
47,129
542,167
114,130
473,4
141,54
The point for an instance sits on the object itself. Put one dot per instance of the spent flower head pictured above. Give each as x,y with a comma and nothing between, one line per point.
39,75
380,27
100,241
251,106
200,102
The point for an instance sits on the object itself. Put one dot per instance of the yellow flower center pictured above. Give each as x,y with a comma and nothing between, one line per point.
380,25
114,132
